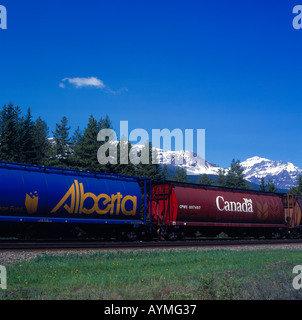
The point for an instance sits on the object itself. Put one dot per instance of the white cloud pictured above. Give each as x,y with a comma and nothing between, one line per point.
78,82
83,82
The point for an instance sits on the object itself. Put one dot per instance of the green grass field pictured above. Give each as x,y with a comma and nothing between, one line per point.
164,275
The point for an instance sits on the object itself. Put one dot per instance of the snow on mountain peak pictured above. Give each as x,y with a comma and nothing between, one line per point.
283,174
190,161
255,159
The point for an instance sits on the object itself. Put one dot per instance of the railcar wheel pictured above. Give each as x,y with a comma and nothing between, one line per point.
129,236
293,234
161,233
172,235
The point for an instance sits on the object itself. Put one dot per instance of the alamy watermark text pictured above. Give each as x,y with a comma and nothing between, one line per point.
108,152
297,21
3,17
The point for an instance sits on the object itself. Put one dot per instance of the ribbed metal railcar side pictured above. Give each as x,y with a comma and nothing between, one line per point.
182,205
31,193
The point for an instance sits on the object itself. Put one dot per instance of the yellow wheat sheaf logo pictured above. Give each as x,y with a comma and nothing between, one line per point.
31,202
262,212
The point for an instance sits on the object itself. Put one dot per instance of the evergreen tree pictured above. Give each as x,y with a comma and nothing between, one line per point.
180,175
74,160
270,186
41,143
10,133
62,142
267,187
76,137
105,123
262,185
121,167
87,147
27,140
298,188
221,178
235,176
22,139
204,180
151,169
165,172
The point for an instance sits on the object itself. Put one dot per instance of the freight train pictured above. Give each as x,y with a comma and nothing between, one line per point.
41,201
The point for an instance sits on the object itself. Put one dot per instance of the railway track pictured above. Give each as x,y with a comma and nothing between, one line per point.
57,245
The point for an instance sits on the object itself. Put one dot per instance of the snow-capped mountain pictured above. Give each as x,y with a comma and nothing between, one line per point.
283,174
190,161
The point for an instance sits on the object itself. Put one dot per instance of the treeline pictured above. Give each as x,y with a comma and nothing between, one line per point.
234,178
25,140
21,138
297,189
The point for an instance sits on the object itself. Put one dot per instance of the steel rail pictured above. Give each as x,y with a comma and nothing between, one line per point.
55,245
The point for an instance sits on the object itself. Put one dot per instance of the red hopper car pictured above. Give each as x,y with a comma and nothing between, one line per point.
186,208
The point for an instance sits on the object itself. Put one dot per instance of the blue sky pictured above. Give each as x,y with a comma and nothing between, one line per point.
232,68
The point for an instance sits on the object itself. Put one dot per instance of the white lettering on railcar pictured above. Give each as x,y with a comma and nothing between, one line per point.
245,206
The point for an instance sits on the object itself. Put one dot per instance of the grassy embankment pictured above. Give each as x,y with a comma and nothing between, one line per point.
183,274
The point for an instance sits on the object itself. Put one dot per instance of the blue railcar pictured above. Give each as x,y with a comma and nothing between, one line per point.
30,193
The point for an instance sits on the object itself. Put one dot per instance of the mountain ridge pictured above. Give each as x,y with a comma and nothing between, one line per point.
283,174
